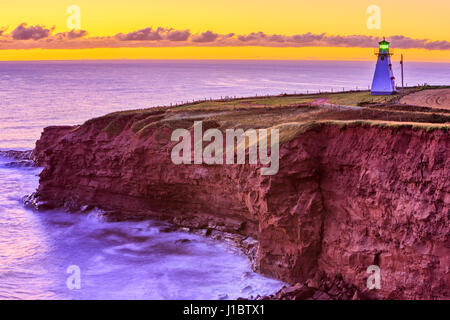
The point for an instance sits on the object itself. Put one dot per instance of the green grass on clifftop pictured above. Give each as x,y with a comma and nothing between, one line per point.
292,114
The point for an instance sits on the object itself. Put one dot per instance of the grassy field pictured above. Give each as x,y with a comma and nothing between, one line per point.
291,113
344,98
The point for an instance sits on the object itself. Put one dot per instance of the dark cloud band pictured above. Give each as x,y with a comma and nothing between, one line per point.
29,37
25,32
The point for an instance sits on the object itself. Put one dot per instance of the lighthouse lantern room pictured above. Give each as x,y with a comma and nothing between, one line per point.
383,80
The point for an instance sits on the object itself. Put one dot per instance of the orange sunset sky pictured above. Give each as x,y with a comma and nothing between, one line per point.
232,29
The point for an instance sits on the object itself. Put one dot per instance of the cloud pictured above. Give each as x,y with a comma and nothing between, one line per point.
178,35
32,37
147,34
23,32
437,45
408,43
207,36
276,38
252,37
300,39
73,34
351,41
307,38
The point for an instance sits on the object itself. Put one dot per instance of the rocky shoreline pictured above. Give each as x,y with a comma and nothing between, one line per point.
318,288
21,158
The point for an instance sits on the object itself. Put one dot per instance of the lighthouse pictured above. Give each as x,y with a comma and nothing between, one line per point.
383,80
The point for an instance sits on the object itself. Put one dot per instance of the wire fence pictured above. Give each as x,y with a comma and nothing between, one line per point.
284,94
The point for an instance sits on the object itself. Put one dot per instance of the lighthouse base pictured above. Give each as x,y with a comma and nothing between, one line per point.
380,93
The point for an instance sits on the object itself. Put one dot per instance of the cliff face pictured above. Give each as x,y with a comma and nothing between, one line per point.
344,198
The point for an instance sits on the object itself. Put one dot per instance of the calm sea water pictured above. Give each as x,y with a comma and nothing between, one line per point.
130,260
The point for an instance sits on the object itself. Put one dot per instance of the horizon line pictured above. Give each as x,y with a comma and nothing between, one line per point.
209,59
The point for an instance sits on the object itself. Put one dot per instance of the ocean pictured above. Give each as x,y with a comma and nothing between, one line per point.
135,260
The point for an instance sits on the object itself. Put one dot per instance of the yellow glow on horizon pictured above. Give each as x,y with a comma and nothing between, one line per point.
228,53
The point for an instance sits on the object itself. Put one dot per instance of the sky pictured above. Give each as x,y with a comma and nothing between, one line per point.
218,29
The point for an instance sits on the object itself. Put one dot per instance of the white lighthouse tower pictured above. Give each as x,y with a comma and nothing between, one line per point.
383,79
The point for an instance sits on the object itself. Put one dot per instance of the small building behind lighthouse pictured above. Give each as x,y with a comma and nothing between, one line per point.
383,80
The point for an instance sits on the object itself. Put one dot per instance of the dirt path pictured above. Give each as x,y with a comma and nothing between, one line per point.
438,98
325,103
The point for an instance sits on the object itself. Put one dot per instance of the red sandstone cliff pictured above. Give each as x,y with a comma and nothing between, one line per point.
344,198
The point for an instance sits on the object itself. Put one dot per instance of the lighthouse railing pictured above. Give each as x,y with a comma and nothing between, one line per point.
387,52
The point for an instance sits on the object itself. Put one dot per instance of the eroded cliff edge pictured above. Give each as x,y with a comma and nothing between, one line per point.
347,195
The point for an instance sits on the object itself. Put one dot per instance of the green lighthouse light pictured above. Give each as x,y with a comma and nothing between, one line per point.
384,46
